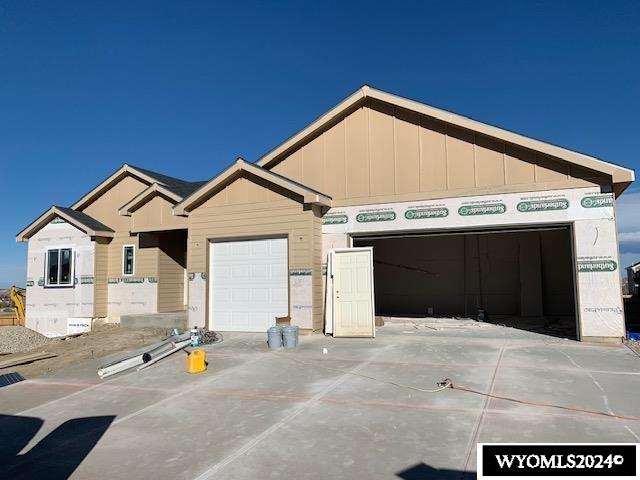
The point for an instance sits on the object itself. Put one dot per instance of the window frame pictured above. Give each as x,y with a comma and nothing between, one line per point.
72,267
133,260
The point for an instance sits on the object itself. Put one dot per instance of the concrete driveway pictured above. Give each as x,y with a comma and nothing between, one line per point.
299,414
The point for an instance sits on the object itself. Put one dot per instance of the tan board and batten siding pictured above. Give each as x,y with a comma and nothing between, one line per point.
101,277
244,209
105,210
156,215
171,265
380,153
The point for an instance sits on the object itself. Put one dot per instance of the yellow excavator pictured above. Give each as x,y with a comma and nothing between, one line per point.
18,296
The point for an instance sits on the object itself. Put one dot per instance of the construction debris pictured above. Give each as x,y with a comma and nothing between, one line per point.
10,378
26,358
176,346
207,337
146,355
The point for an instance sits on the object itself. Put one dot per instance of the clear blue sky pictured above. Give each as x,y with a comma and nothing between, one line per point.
86,86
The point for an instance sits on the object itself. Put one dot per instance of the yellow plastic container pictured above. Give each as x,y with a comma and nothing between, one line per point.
196,361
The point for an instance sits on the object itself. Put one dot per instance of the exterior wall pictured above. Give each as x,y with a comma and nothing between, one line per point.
330,241
50,308
132,295
105,207
380,154
138,293
197,299
589,212
101,278
171,265
243,210
599,288
156,215
317,275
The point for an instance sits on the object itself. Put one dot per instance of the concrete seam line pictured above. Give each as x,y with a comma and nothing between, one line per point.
87,389
476,428
632,350
190,389
251,444
55,400
144,409
63,444
605,398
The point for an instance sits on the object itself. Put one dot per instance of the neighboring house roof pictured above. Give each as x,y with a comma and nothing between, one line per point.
308,195
156,189
80,220
621,176
178,186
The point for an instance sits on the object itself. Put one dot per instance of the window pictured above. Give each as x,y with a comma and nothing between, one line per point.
59,267
127,260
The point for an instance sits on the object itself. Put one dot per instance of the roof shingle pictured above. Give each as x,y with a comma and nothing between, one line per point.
176,185
84,219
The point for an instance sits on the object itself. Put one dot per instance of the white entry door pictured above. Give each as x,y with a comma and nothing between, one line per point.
249,284
353,309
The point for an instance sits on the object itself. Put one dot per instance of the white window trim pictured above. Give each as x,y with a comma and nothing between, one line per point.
133,270
73,267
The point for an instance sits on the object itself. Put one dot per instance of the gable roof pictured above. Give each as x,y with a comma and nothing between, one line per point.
176,185
308,195
156,189
621,176
80,220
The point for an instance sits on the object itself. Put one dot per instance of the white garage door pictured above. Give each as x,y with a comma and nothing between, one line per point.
249,284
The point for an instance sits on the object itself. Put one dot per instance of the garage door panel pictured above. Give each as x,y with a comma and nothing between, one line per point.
279,297
223,295
260,295
221,273
279,271
240,272
260,271
223,249
239,321
239,249
224,319
278,248
249,286
240,295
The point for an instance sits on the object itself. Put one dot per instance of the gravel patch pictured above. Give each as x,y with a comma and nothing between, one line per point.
20,339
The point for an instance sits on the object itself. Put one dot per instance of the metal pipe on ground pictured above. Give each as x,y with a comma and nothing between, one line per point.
178,346
142,355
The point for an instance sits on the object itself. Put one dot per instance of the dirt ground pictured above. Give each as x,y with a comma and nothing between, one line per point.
102,341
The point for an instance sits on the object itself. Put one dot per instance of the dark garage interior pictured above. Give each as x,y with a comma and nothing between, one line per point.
520,278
